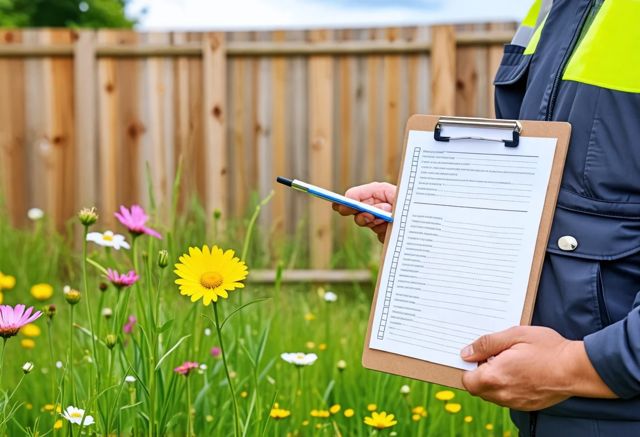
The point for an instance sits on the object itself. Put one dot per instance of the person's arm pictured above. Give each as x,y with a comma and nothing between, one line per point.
529,368
379,194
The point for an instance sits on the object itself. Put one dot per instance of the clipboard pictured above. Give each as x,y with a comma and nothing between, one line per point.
511,133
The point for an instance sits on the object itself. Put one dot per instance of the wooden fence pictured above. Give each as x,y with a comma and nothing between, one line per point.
83,112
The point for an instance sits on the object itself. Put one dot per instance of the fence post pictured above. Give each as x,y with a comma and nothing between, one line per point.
85,84
443,65
320,152
214,68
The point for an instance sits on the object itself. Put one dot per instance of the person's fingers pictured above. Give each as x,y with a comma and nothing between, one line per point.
364,219
380,228
344,210
491,344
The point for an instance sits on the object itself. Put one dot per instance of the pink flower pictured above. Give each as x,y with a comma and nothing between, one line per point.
12,319
186,368
122,280
131,323
135,220
215,352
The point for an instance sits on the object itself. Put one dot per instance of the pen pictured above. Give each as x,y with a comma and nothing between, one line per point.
337,198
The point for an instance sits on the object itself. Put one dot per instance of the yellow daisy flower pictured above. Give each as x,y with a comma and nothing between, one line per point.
416,417
323,414
489,427
278,413
445,395
335,408
208,274
7,282
380,420
468,419
42,291
31,330
372,407
58,424
27,343
453,407
349,412
420,411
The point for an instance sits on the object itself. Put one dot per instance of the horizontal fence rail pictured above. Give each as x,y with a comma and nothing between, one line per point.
88,117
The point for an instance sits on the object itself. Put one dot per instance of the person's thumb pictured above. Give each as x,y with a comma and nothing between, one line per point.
491,345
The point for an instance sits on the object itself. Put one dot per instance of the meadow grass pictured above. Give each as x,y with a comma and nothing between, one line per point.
75,366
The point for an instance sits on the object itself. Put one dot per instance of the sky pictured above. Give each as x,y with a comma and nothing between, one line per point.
270,14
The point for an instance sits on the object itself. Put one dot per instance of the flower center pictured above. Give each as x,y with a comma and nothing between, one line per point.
211,280
107,236
76,415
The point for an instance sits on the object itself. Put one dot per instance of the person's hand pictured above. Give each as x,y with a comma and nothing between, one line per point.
529,368
379,194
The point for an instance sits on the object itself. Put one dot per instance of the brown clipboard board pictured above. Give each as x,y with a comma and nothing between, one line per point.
449,376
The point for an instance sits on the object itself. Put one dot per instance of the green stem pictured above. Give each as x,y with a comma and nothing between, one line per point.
4,346
87,294
226,370
53,361
70,359
189,423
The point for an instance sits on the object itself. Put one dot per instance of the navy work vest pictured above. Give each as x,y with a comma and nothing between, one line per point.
591,293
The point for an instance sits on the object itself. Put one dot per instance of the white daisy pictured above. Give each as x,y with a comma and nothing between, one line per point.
108,239
299,358
35,214
76,415
330,296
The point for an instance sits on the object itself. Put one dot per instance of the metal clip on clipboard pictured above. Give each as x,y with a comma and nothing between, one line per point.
512,129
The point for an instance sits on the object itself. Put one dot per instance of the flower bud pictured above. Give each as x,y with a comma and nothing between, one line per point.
341,365
88,216
107,313
405,390
111,340
103,286
217,214
27,367
49,311
71,295
163,258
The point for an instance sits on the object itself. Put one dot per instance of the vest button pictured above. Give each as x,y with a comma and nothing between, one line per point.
567,243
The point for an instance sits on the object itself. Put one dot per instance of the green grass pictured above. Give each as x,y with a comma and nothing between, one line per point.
254,339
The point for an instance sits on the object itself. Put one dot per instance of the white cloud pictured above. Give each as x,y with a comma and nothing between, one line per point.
268,14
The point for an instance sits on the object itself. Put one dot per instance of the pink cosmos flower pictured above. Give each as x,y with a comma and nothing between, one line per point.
186,368
135,220
131,323
12,319
122,280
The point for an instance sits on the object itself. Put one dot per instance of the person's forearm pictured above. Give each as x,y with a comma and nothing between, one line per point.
582,378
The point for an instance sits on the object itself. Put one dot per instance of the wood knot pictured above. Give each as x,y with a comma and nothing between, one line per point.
58,140
317,143
135,130
109,87
217,112
9,37
75,36
214,42
223,172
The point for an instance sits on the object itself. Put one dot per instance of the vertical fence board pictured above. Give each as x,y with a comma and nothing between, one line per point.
443,84
320,152
214,78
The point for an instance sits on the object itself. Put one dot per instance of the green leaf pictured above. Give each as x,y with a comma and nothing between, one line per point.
97,266
234,312
165,327
170,351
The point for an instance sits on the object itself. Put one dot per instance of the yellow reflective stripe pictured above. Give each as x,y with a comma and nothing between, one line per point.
532,17
535,39
609,54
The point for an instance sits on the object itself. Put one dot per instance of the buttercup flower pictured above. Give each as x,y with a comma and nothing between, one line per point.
489,427
186,368
209,274
445,395
468,419
42,291
420,411
123,280
77,416
299,359
335,409
7,282
278,413
27,343
452,407
12,319
108,239
31,330
380,420
35,214
372,407
58,424
322,414
349,412
135,220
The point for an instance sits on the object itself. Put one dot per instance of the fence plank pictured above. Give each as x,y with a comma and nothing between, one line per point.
320,152
214,91
443,85
85,66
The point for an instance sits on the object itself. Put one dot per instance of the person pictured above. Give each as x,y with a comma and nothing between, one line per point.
576,370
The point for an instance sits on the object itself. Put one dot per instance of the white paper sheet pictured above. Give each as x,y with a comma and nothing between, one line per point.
461,249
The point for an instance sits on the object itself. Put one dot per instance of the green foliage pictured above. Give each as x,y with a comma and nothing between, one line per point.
65,13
